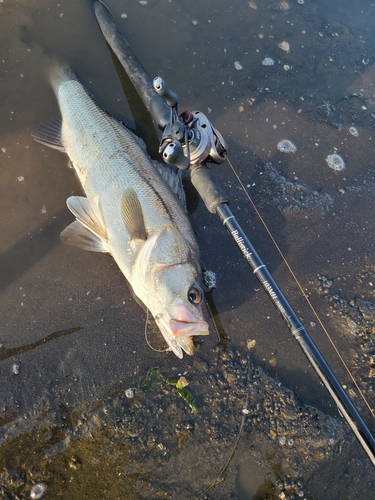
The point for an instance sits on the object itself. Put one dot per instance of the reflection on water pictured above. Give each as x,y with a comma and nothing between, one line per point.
321,219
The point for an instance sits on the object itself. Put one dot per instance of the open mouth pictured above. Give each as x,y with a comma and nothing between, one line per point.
183,322
182,328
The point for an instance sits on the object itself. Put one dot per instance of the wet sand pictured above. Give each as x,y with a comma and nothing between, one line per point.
73,337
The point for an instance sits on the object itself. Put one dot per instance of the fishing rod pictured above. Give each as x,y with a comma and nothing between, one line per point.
191,142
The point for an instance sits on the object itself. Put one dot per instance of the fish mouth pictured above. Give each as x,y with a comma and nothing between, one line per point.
184,323
177,325
184,328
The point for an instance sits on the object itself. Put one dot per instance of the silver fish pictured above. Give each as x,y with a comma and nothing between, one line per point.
129,212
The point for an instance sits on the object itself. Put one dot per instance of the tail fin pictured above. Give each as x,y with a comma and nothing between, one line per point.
60,73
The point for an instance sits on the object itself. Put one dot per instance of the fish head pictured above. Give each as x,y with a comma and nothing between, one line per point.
167,278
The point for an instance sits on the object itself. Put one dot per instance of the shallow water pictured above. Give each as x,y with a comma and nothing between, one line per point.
72,336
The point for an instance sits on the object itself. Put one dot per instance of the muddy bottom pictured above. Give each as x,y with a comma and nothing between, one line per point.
75,420
254,439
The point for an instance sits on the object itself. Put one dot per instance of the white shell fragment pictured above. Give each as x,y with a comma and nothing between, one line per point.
209,279
286,146
267,61
335,162
238,66
353,131
284,46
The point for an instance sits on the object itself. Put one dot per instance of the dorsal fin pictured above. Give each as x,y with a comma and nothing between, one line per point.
172,176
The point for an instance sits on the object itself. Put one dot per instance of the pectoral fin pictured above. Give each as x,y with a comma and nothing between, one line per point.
88,214
132,215
79,236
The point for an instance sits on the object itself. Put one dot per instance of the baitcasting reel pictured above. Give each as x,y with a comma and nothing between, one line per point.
188,138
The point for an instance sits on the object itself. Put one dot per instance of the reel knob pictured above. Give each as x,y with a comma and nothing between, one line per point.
173,154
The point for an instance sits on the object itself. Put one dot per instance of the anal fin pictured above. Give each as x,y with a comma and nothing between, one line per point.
88,214
79,236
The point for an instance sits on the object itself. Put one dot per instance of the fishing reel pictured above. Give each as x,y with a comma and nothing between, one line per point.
189,138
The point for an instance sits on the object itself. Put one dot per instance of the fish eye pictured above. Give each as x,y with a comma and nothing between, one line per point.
195,295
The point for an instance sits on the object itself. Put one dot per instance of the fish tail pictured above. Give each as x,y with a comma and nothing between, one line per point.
60,73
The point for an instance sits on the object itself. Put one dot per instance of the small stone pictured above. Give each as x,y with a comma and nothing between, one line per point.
129,393
15,369
182,382
272,361
284,46
238,66
267,61
282,440
251,344
353,131
272,434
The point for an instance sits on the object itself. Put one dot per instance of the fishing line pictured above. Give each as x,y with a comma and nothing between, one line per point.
147,342
245,411
300,287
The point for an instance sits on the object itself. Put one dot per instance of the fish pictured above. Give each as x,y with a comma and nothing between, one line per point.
129,211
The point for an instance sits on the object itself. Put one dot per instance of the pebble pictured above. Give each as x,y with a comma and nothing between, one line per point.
335,162
15,369
286,146
38,490
129,393
267,61
284,46
238,66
